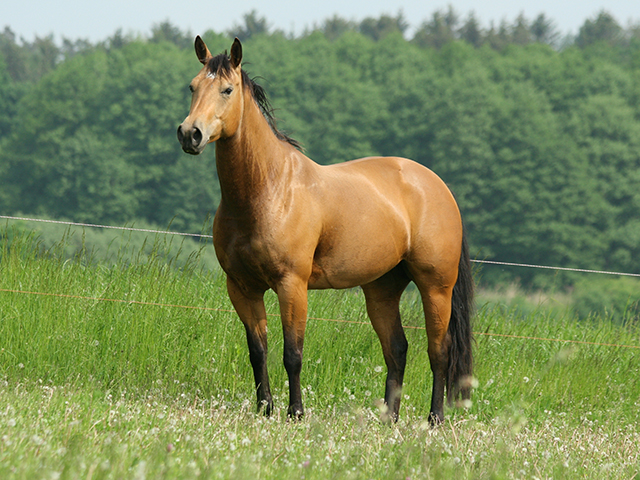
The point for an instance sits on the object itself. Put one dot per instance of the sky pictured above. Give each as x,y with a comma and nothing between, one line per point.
98,20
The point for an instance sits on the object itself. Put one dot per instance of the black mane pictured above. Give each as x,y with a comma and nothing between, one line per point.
221,65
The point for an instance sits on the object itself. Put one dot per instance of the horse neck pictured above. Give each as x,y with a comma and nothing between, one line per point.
250,163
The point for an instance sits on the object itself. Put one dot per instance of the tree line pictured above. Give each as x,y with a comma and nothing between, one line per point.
537,135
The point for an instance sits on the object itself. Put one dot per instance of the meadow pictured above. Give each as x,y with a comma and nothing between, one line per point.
136,368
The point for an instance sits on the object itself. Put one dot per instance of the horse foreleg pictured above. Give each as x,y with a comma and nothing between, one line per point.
250,309
292,297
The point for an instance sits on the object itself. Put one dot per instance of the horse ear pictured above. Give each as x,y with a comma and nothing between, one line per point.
202,51
236,53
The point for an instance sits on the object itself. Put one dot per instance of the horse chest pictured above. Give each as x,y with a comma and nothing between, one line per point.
248,256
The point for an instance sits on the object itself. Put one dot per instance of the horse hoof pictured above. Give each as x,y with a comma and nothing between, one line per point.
265,408
295,413
436,419
389,418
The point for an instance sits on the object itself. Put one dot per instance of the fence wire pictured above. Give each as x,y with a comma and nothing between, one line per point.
93,225
336,320
199,235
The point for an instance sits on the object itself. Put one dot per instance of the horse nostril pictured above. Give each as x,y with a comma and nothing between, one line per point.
180,134
197,136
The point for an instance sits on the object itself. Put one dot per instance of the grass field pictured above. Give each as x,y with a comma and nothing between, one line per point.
113,389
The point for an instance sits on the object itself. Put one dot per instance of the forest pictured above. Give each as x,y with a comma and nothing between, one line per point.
536,133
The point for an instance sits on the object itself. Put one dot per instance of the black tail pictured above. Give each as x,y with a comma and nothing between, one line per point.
460,350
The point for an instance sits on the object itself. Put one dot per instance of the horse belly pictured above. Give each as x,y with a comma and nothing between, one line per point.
356,259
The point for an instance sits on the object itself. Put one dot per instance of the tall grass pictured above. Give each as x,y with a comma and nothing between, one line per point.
113,389
112,246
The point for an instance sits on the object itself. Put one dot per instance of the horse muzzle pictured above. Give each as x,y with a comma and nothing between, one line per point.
191,139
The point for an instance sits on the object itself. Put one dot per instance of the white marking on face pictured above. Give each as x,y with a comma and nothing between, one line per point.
211,75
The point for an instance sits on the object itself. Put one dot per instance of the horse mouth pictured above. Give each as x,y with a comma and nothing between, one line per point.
191,150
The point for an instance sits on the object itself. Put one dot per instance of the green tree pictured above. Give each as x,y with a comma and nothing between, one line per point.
336,26
439,30
604,28
378,28
190,194
253,25
10,92
55,141
525,186
521,34
118,40
167,32
539,145
498,38
543,30
28,62
15,57
71,48
471,31
608,135
97,135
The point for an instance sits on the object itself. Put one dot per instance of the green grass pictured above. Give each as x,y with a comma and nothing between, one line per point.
102,389
112,246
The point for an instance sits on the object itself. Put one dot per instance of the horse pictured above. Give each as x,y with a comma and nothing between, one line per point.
289,224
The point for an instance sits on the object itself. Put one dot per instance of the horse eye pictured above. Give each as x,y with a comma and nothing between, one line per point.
191,88
228,91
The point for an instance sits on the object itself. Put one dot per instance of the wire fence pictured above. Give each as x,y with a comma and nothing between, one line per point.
199,235
564,269
335,320
134,302
94,225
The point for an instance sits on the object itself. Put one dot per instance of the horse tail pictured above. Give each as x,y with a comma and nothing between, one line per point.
460,349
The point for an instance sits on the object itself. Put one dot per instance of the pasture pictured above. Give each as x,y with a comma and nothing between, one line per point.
139,386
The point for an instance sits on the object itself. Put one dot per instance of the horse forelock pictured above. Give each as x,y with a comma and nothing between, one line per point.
219,65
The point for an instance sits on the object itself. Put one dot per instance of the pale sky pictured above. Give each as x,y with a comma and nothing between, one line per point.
95,21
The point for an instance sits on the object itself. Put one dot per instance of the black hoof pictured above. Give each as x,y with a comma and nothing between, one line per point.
436,419
265,408
295,413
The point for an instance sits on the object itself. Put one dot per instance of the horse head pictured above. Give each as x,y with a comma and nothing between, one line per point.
216,101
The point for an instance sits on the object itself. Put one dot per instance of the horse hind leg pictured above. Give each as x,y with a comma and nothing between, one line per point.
436,301
448,307
383,300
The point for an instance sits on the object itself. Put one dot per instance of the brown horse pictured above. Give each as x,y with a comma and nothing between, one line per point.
289,224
